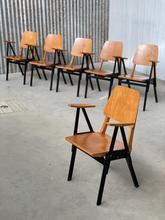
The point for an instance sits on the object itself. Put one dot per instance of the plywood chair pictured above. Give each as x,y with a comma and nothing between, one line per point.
53,45
120,112
27,44
145,55
82,48
111,51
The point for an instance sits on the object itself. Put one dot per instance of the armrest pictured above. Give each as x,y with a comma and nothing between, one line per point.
32,45
60,49
87,53
81,105
123,58
152,61
120,124
8,41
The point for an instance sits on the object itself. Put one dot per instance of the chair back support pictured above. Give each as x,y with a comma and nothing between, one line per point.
28,37
110,50
122,105
53,42
144,54
81,45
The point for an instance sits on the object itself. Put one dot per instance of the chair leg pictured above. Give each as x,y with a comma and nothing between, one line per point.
24,76
74,150
58,79
7,70
98,84
155,92
51,81
133,175
110,87
39,76
103,178
90,80
31,78
78,85
86,86
44,74
70,79
145,97
63,77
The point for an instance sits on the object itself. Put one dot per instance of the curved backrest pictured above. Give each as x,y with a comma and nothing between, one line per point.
53,42
122,105
111,49
28,37
80,46
145,53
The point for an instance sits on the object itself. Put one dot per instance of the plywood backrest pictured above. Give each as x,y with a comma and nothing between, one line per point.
110,50
144,54
28,37
53,42
122,105
81,45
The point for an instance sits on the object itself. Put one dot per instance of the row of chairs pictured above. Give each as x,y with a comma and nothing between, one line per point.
145,55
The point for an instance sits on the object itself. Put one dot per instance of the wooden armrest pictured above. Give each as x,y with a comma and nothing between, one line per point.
32,45
152,61
58,49
82,105
120,124
8,41
124,58
87,53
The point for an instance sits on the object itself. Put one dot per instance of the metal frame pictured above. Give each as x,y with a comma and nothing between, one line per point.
106,160
146,83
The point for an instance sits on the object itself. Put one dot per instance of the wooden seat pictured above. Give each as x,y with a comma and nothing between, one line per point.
120,112
52,45
27,44
111,51
82,48
145,55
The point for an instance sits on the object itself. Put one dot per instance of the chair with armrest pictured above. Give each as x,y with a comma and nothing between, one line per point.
120,112
52,45
111,51
145,55
27,44
82,48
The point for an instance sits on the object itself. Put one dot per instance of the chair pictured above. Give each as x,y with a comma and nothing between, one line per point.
111,51
120,112
145,55
82,48
27,44
52,45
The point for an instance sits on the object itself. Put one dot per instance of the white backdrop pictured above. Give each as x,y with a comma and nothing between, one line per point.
136,22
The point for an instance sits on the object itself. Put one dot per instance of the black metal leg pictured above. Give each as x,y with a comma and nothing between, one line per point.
7,70
63,77
58,79
44,74
98,84
70,78
20,69
110,86
78,85
24,76
86,86
51,80
38,72
155,93
130,166
119,82
31,78
72,163
145,97
103,178
90,80
129,85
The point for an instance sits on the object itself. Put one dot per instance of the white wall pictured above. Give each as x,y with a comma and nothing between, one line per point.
139,22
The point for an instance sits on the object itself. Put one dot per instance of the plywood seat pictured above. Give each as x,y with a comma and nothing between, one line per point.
94,144
69,67
41,63
137,78
98,72
16,58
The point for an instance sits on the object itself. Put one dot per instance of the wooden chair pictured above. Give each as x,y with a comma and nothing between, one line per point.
120,112
145,55
111,51
82,48
52,45
27,44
